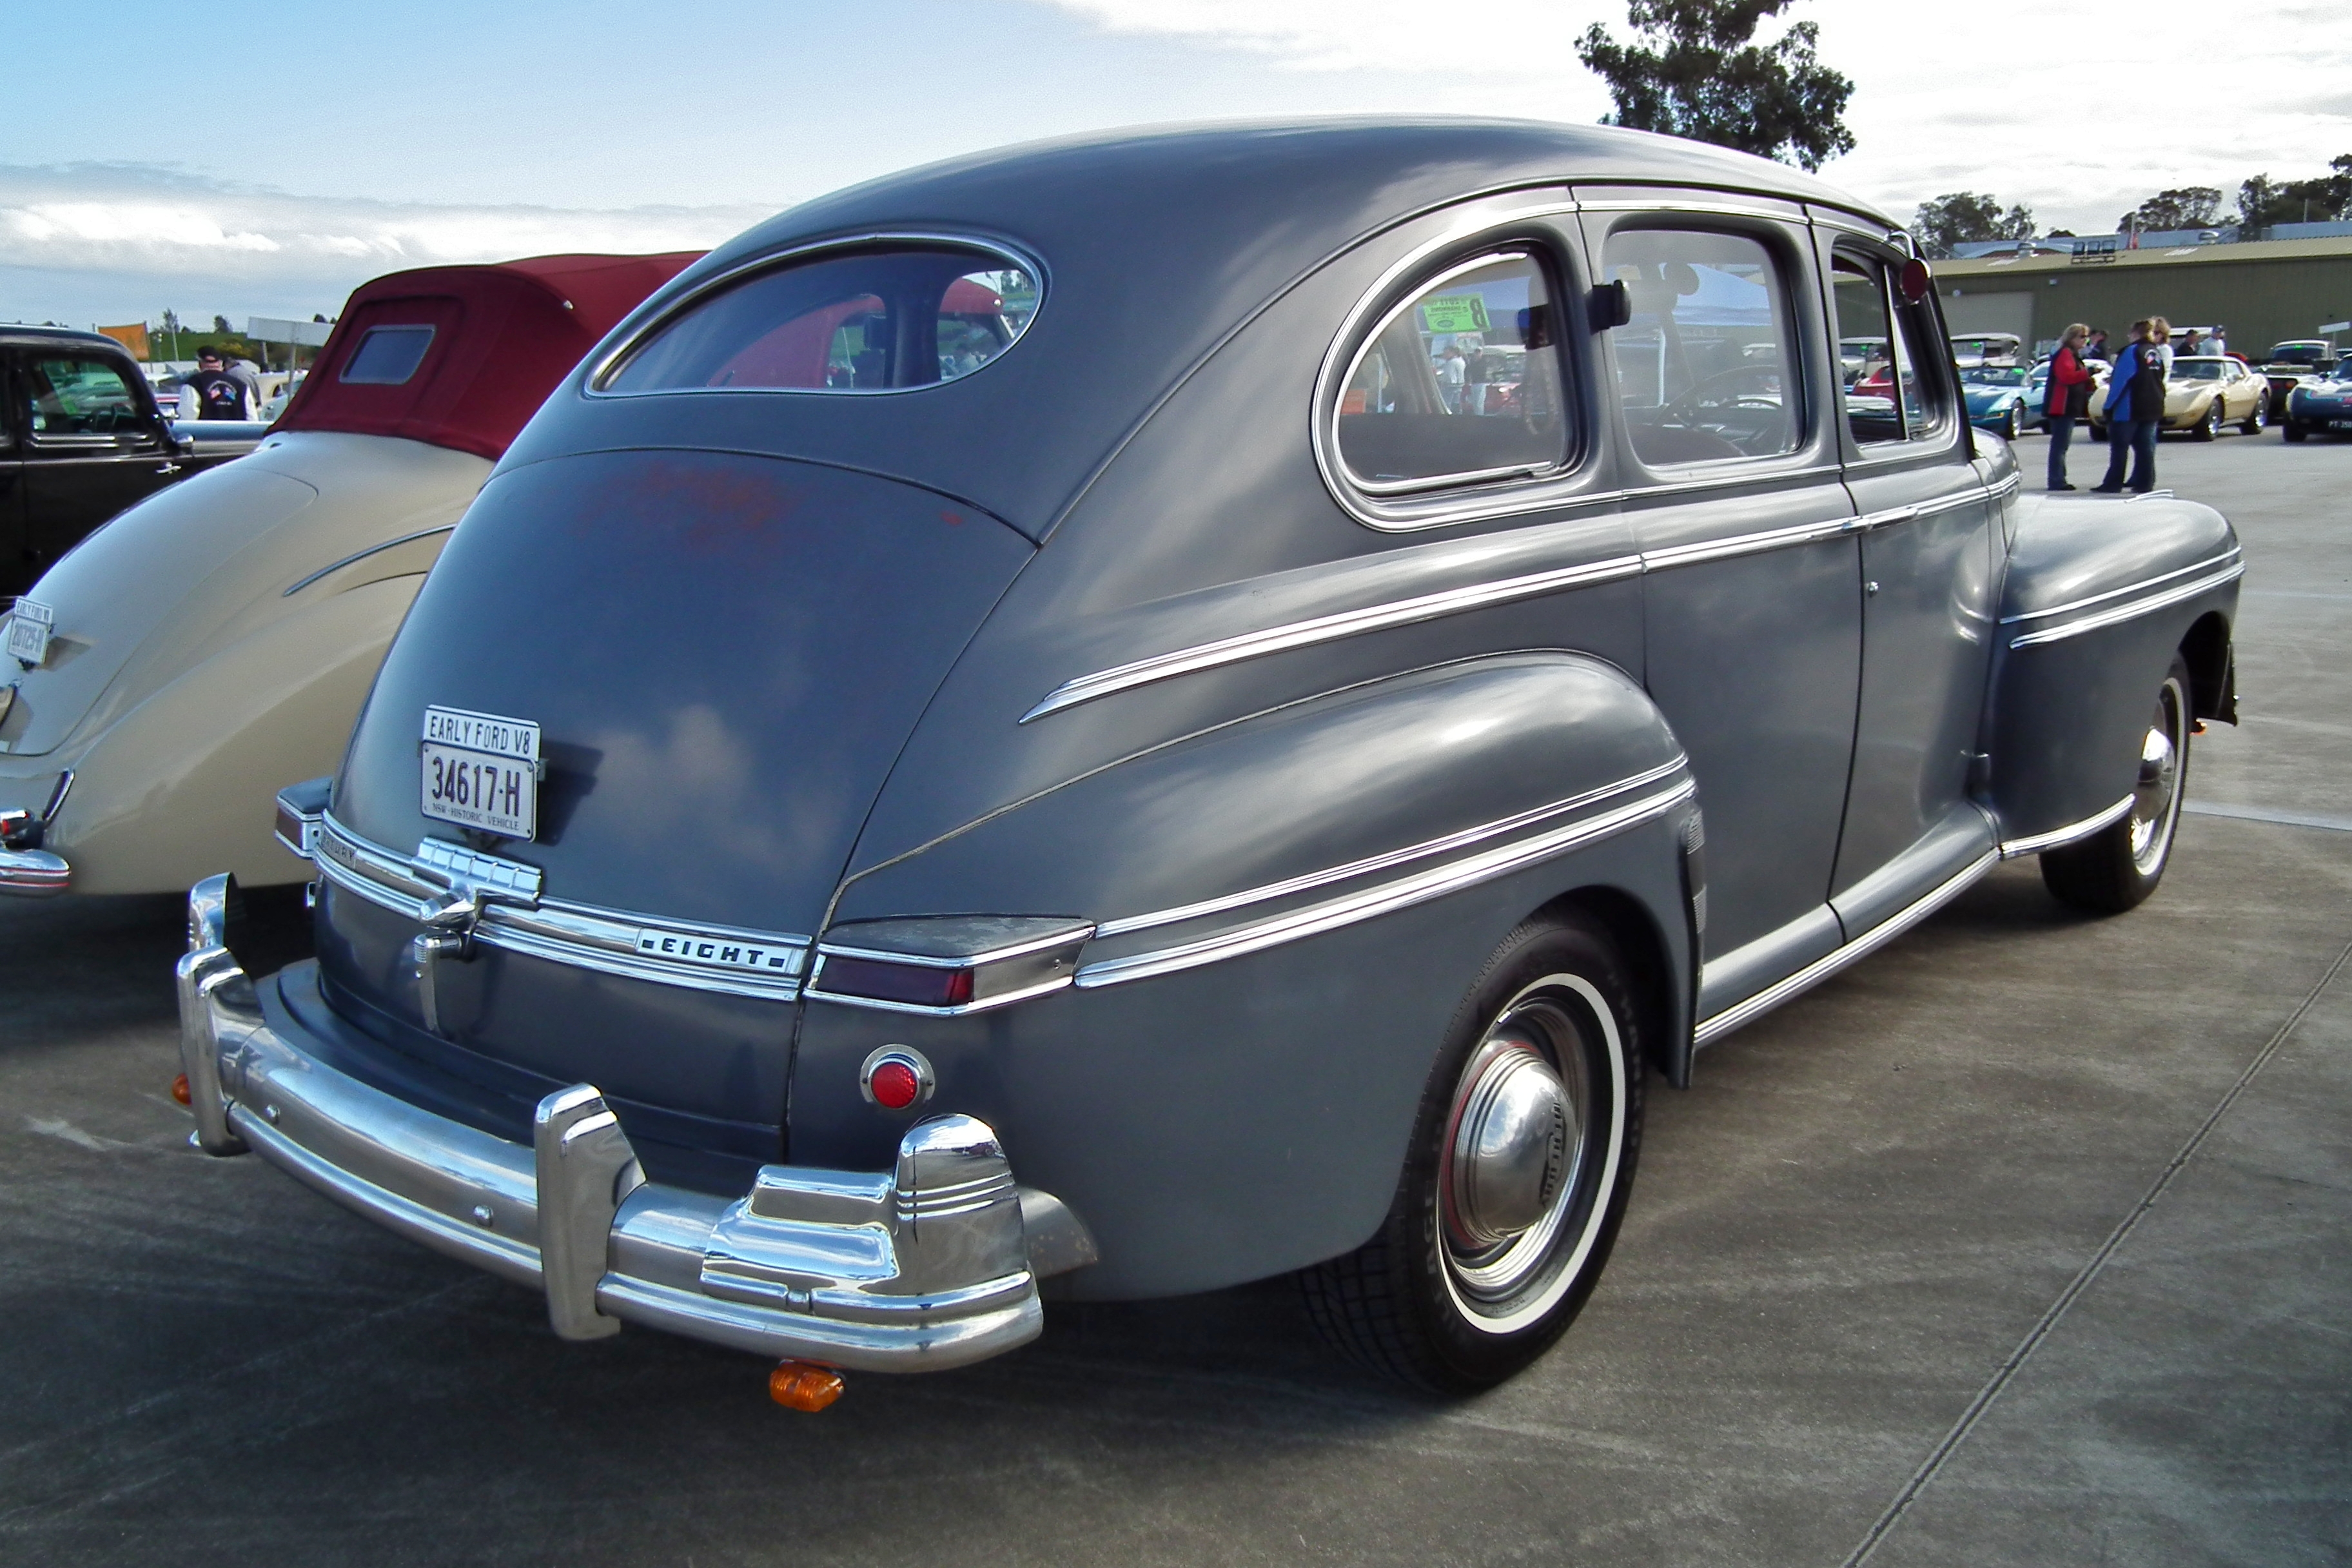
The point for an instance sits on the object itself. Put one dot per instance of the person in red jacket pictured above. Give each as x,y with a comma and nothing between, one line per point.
2068,398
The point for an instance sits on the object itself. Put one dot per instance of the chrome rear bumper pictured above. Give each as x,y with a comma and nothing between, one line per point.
929,1265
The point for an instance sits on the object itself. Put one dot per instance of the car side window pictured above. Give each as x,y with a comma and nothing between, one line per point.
1460,383
1890,394
68,397
1707,366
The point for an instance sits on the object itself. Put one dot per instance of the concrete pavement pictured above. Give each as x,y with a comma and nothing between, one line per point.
2027,1241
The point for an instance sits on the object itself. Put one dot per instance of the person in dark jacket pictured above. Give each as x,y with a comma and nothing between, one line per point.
2135,410
2068,398
220,394
2096,348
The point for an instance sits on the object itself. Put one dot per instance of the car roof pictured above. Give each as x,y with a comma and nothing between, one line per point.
56,336
1156,245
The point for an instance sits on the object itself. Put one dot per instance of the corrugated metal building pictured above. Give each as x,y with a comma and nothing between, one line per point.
2263,293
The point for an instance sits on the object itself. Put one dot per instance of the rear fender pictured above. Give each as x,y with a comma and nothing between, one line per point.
1289,909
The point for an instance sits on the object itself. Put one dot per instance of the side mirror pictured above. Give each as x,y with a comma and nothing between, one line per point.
1610,305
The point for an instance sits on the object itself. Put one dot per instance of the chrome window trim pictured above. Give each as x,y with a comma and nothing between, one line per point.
2035,843
2135,608
593,386
1369,864
1668,207
1714,1028
2227,555
1420,888
1746,476
1327,628
580,935
1381,488
1548,490
363,555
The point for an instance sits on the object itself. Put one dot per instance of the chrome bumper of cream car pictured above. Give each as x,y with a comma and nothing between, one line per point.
933,1264
34,873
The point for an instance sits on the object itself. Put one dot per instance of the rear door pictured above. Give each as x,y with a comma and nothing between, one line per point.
94,445
1751,581
1928,583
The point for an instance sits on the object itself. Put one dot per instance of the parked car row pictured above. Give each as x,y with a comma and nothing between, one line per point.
1017,723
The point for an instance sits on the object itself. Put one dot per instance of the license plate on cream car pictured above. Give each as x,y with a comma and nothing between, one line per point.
481,771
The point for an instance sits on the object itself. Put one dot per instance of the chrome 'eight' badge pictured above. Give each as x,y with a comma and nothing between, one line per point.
481,771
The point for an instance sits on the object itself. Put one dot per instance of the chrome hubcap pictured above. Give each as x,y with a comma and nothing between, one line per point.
1514,1151
2154,797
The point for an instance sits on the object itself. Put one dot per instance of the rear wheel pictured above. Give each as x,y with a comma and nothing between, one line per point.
1515,1178
2118,866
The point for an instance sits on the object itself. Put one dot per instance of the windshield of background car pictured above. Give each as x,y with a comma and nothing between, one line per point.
877,319
2298,353
1459,384
2198,370
80,397
1994,376
1705,367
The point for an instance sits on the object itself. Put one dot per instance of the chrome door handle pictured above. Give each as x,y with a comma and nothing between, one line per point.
167,467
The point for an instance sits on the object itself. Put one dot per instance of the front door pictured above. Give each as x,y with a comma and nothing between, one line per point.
93,445
1751,578
1927,568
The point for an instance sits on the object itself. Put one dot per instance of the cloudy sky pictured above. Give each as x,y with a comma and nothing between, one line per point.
244,158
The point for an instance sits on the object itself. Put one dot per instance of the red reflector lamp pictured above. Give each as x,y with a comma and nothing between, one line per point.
180,1090
896,1076
803,1385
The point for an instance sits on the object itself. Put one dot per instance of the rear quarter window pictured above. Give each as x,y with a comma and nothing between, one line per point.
877,320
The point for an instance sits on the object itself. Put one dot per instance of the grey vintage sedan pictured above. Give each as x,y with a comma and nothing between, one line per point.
1140,713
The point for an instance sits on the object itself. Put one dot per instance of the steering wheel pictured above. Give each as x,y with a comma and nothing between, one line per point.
1717,405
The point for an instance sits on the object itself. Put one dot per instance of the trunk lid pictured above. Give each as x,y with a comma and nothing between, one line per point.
725,655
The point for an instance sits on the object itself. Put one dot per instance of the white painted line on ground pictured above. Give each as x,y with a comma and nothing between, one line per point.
2263,813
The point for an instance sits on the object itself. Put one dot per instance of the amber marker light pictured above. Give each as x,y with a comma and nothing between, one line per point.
180,1088
804,1385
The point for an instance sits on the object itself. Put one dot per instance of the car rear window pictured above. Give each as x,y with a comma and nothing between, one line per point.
387,356
1460,383
879,319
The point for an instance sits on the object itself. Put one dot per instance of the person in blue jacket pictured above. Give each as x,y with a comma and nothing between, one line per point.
2135,410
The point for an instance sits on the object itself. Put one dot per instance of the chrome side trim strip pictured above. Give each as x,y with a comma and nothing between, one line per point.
1327,628
363,554
1365,867
2231,553
1747,543
728,960
2131,611
1821,969
2035,843
1405,891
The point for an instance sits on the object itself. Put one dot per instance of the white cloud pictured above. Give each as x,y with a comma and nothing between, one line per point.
184,234
2077,110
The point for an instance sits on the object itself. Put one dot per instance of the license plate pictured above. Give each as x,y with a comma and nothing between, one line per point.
480,771
28,632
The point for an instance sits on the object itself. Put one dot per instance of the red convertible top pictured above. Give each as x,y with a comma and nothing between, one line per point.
463,356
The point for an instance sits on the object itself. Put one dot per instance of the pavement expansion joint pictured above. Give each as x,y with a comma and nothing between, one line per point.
2041,1331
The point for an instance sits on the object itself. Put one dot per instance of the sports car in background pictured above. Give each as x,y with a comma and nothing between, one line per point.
2202,393
2000,398
2321,405
2289,364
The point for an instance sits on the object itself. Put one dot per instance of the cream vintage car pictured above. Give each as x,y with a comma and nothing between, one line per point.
166,675
2203,393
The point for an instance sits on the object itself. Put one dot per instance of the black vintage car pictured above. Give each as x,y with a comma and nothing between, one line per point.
1136,713
81,438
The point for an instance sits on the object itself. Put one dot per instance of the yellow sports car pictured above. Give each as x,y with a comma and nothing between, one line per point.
2201,393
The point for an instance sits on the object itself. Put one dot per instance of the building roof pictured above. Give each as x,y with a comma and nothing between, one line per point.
2332,248
502,336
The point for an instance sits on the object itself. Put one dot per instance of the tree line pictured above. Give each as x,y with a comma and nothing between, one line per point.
1958,217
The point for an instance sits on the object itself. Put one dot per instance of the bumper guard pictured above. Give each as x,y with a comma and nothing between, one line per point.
929,1265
